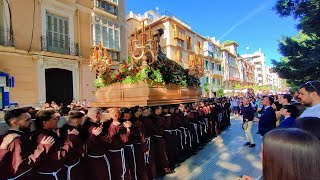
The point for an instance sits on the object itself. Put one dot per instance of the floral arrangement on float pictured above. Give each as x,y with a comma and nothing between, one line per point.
147,78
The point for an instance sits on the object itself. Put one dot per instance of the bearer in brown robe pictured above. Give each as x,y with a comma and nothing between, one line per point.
160,143
170,137
149,142
119,134
51,164
96,162
73,168
17,154
135,146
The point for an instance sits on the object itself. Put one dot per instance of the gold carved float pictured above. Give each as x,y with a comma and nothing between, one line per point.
145,50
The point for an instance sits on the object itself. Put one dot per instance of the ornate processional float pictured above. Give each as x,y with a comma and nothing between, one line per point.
148,78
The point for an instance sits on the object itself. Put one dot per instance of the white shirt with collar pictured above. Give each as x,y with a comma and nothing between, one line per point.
313,111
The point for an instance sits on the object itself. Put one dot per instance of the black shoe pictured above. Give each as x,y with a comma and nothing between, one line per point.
247,144
252,145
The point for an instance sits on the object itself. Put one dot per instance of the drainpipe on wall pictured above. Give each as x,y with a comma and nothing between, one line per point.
79,63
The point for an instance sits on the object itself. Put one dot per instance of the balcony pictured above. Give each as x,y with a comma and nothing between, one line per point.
6,37
108,6
233,78
216,72
189,47
59,46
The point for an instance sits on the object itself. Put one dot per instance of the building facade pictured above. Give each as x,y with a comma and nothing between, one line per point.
179,42
246,70
213,65
231,67
259,61
47,44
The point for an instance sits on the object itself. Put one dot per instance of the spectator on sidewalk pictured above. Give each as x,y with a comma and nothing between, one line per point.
287,151
235,105
248,114
267,121
310,97
290,113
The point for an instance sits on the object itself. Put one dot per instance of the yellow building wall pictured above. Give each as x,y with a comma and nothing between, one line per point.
87,82
84,34
24,71
22,24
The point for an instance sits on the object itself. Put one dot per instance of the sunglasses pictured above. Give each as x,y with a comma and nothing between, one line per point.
310,83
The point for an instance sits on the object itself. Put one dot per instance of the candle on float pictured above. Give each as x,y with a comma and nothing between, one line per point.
105,54
131,45
155,45
142,39
135,34
149,32
95,53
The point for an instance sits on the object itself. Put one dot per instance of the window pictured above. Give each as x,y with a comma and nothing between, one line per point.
219,67
189,43
106,32
178,32
212,67
199,45
219,82
207,65
217,53
207,79
57,34
106,6
180,43
213,81
115,55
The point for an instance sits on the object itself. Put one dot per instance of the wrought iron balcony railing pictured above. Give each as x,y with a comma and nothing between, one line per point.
6,37
59,46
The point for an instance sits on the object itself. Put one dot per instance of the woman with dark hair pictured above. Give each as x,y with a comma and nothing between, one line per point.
290,154
310,124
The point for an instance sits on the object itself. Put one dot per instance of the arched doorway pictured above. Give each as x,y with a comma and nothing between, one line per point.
59,85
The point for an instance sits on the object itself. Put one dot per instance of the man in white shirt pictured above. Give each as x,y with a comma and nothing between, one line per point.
309,95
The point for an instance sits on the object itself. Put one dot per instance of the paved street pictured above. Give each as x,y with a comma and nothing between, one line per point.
224,158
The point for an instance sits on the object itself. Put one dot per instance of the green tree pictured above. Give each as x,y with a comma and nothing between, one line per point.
220,93
301,58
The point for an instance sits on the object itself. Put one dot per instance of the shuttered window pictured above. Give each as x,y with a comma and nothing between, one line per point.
57,33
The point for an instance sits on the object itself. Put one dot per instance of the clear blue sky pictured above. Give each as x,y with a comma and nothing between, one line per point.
251,23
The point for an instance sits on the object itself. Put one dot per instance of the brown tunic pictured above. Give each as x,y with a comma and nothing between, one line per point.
95,161
53,161
20,156
160,144
151,148
118,164
134,152
73,165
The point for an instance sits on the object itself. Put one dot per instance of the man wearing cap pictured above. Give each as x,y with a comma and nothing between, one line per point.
309,95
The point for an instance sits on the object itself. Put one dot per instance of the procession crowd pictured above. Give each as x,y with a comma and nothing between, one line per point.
136,143
150,142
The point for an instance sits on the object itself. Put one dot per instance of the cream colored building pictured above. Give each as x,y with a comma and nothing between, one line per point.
51,43
231,67
259,60
213,65
246,70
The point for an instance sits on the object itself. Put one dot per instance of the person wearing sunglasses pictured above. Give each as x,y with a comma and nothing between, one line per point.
309,95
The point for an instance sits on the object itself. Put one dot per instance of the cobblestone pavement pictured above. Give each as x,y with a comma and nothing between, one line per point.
224,158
